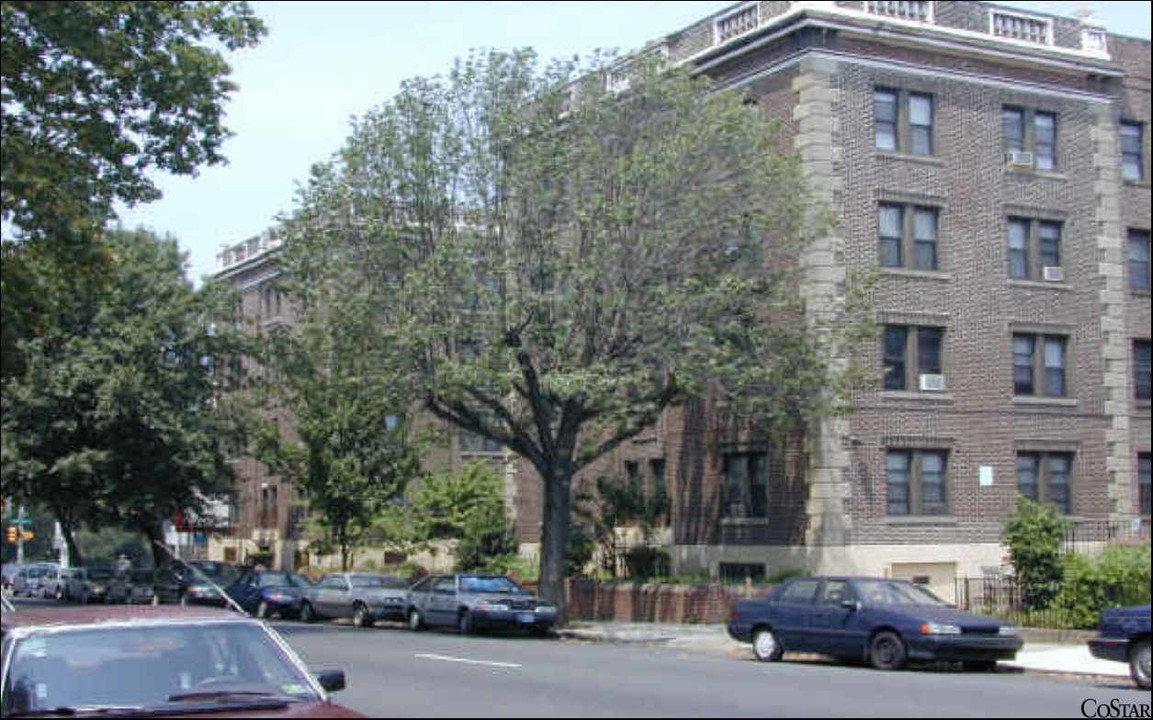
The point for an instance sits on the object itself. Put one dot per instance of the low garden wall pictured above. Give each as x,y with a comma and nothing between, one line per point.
652,602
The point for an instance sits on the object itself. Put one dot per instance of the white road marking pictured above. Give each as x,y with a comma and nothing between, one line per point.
446,658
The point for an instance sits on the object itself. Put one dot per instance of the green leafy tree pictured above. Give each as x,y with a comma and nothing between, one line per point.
346,450
115,419
617,503
97,94
1034,534
558,264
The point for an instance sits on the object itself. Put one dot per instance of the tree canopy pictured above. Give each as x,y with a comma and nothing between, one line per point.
115,420
97,94
556,263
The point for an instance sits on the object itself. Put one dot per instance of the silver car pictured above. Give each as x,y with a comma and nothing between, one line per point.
132,588
475,602
89,584
33,578
363,597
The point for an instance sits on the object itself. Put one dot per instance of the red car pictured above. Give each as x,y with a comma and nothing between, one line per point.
169,661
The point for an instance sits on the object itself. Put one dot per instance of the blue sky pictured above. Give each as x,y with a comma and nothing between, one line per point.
325,62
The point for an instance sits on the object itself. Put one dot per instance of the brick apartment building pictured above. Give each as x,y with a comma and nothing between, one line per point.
992,166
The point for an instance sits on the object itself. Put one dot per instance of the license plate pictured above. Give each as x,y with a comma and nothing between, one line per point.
527,617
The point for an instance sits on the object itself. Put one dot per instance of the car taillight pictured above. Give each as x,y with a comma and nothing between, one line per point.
734,613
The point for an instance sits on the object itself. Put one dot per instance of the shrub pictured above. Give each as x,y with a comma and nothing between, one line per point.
486,538
647,562
1119,576
1034,534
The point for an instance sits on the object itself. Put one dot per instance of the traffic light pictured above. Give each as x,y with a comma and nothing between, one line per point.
11,534
27,535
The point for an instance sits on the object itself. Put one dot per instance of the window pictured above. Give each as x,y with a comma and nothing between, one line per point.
908,236
910,352
471,442
1141,361
917,482
1030,131
800,592
1034,249
1143,466
1139,259
746,485
1048,365
904,121
836,592
1046,478
1132,157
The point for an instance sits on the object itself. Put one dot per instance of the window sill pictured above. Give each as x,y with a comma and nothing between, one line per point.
1040,285
920,520
1144,184
918,274
934,397
1142,405
1041,174
744,521
1140,292
924,159
1044,401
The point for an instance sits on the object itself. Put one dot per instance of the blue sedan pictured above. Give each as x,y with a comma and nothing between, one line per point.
886,622
265,593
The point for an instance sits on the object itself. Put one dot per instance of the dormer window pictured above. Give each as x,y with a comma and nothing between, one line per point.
737,22
1024,28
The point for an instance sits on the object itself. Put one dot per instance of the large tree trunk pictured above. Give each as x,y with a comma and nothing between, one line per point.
161,555
74,557
554,535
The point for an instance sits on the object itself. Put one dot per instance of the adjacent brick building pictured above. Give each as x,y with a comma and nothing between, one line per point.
992,166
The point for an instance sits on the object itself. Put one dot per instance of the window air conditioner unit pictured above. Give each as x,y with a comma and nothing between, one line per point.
933,383
1053,273
1019,159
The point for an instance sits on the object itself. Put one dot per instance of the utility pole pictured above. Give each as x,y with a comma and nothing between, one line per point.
20,536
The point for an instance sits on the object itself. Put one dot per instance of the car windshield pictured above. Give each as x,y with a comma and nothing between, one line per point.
502,585
888,592
380,581
149,666
216,571
99,573
274,579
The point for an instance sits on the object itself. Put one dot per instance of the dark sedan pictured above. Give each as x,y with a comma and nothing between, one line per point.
886,622
474,602
191,582
265,593
1124,637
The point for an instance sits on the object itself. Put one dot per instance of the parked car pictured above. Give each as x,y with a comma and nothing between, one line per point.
64,582
1124,637
265,593
363,597
31,578
131,588
8,574
166,661
183,582
474,602
886,622
52,582
89,583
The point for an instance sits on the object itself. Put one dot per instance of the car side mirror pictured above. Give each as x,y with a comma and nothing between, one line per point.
854,605
331,680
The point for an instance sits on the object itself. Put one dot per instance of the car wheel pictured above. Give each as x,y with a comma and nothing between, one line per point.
262,610
306,612
887,651
464,623
360,616
415,621
766,647
1139,663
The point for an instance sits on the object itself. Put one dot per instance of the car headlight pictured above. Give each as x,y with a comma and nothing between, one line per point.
932,628
545,608
1007,630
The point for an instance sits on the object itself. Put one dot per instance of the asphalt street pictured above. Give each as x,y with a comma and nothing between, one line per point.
393,671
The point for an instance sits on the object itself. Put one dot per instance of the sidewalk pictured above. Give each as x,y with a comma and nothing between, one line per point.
1047,656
